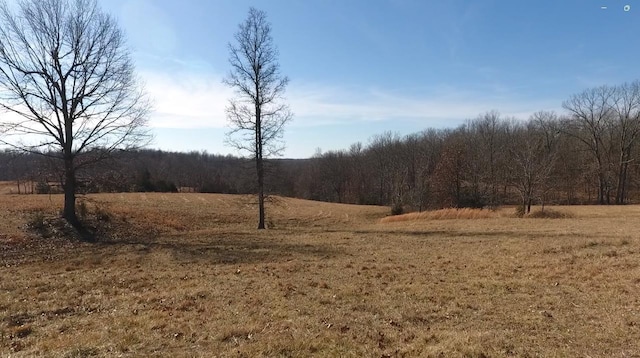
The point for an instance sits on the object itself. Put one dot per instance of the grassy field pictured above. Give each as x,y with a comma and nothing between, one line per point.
186,275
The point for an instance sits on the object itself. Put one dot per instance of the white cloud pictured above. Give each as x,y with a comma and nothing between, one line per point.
196,99
186,99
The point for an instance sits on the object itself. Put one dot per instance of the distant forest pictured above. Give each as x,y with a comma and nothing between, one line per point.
586,155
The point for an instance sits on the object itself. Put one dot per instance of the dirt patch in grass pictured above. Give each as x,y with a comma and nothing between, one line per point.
328,280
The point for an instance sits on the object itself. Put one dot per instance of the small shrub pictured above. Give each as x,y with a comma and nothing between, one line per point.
397,209
520,211
82,209
549,214
102,214
37,222
43,188
165,187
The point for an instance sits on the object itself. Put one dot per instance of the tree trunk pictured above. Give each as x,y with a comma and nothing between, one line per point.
625,184
69,212
260,194
259,166
601,191
622,178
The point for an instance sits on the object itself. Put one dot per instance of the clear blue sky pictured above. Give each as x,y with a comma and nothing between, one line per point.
362,67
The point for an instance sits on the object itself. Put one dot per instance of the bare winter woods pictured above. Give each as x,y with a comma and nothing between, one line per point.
585,154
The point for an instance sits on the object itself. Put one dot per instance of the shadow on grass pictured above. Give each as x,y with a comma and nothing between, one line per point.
54,240
462,234
230,248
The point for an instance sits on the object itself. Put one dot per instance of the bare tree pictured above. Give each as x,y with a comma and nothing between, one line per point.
335,175
451,171
626,131
533,152
257,114
67,79
487,131
590,114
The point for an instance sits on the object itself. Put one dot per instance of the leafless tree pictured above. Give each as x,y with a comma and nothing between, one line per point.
257,114
335,174
626,131
67,82
590,113
533,151
382,161
488,134
451,171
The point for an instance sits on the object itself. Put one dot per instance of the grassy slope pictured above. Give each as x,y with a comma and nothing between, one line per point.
328,280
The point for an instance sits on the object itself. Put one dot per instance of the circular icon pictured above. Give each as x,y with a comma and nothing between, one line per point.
627,8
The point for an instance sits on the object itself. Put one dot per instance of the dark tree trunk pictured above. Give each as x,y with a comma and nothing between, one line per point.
622,178
260,194
259,165
69,212
601,191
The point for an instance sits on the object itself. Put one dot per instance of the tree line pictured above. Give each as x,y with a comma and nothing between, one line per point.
585,155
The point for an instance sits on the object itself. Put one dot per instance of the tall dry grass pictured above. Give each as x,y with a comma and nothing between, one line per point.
442,214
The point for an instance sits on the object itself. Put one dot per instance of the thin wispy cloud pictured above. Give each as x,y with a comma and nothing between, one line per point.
379,105
198,100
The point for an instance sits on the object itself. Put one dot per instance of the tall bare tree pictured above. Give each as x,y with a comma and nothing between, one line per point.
626,132
257,114
488,131
67,79
591,113
533,150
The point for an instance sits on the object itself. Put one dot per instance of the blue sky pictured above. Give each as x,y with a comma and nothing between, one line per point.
359,68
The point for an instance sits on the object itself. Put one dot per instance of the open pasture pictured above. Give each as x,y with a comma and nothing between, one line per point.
188,276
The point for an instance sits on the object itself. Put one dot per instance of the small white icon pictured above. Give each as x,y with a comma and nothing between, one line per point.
627,8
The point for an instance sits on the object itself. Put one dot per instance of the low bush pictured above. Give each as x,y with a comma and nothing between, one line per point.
549,214
443,214
37,222
397,209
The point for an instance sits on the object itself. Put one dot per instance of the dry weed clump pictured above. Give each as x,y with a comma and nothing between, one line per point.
549,214
442,214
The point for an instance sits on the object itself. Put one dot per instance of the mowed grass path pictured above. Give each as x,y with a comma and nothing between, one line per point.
195,279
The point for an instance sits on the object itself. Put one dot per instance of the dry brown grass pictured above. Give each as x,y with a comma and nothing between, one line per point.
196,280
7,187
442,214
